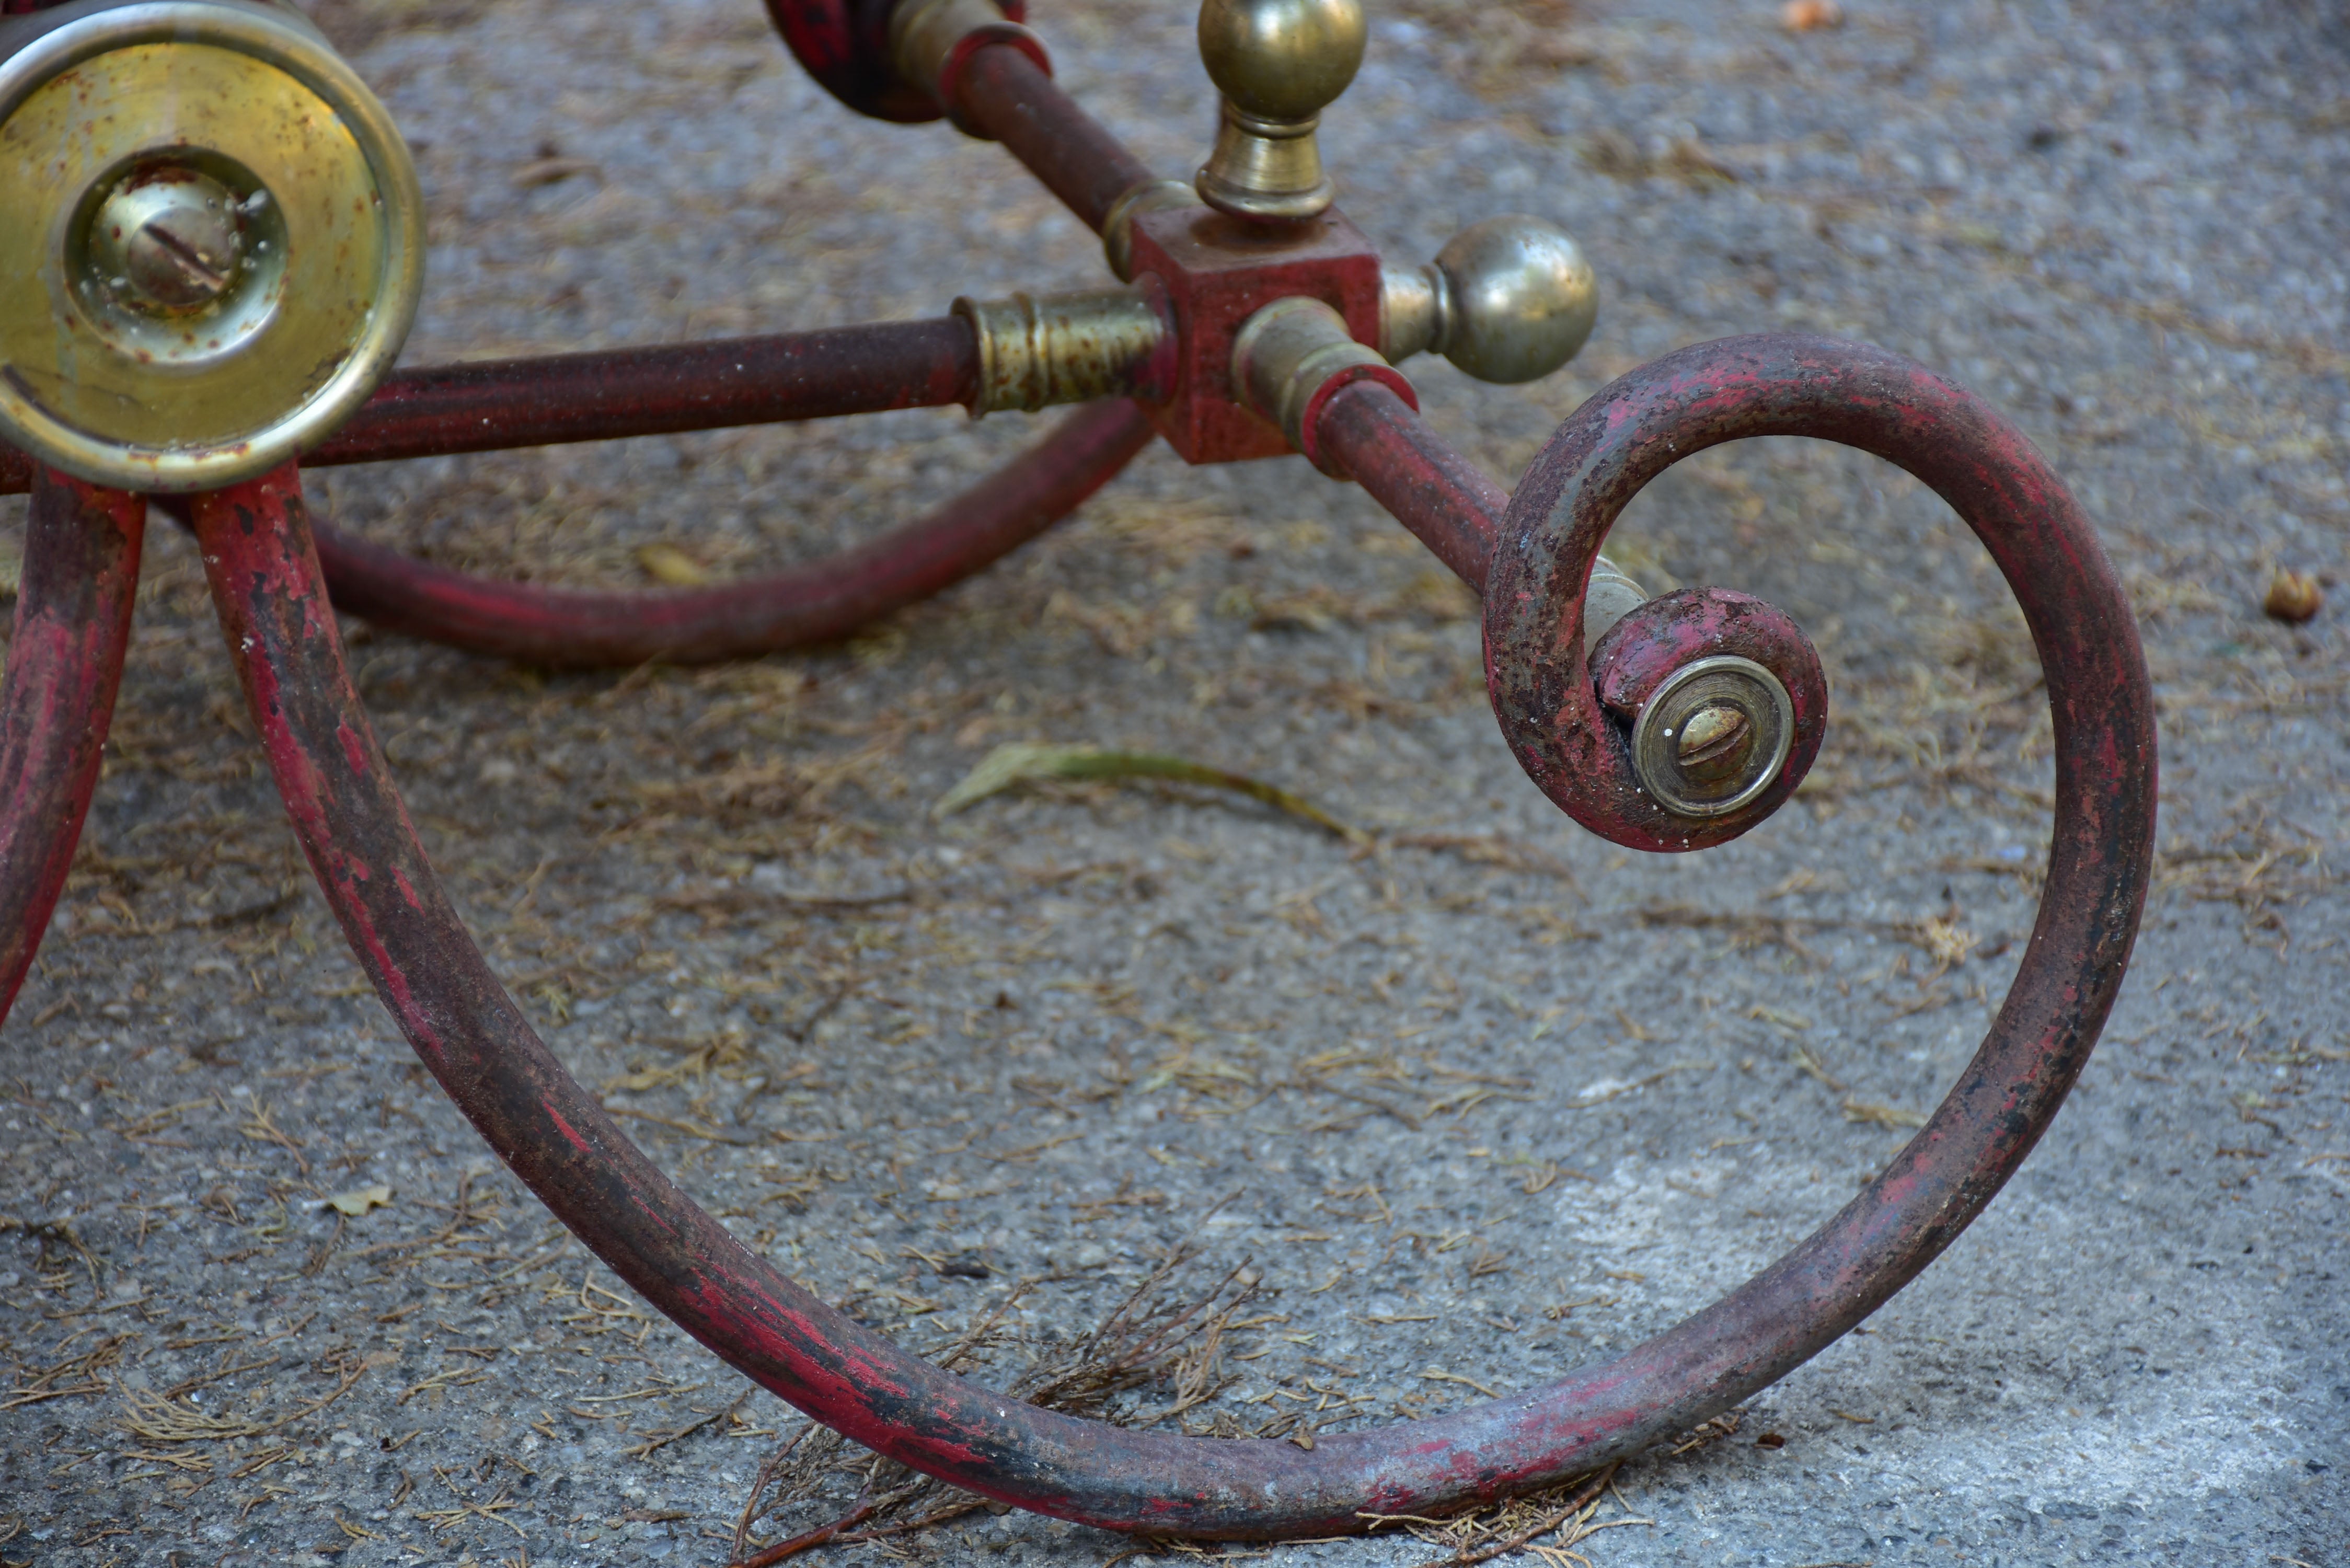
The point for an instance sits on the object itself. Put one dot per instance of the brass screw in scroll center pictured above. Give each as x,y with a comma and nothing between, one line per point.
1712,736
1713,743
168,243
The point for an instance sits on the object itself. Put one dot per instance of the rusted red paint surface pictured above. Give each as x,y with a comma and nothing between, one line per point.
1003,94
826,599
1380,442
1219,271
553,398
65,664
1642,650
1770,384
560,1142
1530,553
550,399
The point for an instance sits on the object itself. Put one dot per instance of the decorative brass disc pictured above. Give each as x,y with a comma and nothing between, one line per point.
210,240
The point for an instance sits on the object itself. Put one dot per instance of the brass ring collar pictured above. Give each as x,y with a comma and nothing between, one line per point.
1117,224
931,42
1291,356
1036,351
124,376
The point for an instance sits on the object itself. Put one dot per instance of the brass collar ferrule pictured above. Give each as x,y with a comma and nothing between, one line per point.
1291,356
1266,169
1415,311
1039,351
1118,224
930,40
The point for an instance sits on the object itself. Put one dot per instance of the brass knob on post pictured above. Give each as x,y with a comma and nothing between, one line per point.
1278,63
1510,299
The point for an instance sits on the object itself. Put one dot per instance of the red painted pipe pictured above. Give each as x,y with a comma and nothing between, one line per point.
552,400
557,1137
65,664
759,615
1002,93
1443,498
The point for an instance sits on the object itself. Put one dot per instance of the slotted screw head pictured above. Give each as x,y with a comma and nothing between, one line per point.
168,242
1713,743
1712,736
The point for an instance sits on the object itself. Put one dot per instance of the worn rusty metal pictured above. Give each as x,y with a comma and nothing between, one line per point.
1219,271
64,663
1555,718
1651,647
1002,94
1448,504
494,404
1037,351
931,42
491,405
1566,697
826,599
560,1142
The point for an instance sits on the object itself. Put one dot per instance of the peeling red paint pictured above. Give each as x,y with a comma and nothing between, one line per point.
80,576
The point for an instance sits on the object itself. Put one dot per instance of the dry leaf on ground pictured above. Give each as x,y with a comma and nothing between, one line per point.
359,1200
1008,765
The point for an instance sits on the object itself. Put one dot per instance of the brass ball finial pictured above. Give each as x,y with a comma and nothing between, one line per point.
1278,63
1509,299
1282,59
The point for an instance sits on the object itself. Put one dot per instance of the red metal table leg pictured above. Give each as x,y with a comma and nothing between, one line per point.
761,615
1443,498
564,1146
1007,96
64,663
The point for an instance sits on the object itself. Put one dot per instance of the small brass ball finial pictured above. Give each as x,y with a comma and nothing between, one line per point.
1282,59
1509,299
1278,63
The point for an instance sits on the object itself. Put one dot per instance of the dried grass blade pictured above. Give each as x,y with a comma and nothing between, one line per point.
1017,764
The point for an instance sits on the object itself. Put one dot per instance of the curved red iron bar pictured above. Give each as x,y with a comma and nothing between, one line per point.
557,1137
64,665
811,604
